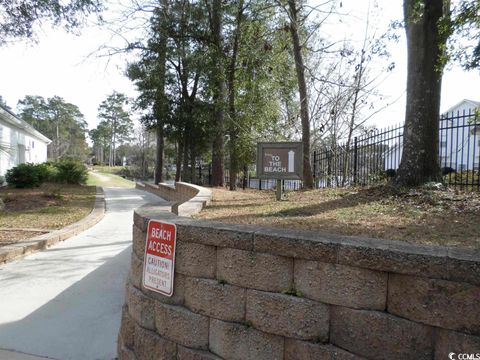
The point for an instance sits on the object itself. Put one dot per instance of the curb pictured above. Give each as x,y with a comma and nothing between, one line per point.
15,251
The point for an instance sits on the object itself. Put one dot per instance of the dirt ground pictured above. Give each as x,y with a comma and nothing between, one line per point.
31,212
8,237
441,217
29,199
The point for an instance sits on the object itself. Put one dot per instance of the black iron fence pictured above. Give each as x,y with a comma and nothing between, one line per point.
245,180
375,156
362,161
252,182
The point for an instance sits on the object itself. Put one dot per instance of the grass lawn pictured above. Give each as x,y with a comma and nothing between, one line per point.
51,206
107,179
418,216
108,169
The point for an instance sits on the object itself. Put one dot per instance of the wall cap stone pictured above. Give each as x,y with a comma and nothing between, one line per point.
187,199
438,262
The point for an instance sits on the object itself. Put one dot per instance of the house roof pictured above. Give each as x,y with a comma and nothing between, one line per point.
470,104
9,117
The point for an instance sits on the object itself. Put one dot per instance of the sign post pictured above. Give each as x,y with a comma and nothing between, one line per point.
159,260
280,161
279,191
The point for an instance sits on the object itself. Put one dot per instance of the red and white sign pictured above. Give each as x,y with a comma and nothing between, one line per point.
159,261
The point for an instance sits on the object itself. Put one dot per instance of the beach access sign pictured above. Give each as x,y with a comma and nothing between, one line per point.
280,160
159,260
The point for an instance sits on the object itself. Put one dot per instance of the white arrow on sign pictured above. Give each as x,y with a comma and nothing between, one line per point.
291,161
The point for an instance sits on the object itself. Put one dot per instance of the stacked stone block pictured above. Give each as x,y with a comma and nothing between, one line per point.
244,292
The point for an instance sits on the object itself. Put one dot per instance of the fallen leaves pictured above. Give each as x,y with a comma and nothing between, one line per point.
426,216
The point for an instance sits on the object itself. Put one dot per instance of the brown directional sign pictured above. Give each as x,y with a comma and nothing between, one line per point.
280,160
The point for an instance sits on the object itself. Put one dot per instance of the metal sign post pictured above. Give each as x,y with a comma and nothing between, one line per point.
279,191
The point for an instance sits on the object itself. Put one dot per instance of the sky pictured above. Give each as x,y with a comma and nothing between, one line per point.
62,64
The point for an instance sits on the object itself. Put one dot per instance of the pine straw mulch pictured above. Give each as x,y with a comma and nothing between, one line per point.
422,216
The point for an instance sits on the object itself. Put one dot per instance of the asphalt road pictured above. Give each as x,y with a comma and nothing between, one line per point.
65,302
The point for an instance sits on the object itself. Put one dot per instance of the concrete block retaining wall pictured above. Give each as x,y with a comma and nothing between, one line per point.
245,292
187,199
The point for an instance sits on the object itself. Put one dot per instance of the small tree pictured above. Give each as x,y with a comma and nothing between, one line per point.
117,120
60,121
100,137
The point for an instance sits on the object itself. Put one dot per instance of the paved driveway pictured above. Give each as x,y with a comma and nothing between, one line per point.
65,302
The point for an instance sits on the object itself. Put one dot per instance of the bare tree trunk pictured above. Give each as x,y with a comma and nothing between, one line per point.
218,96
158,177
351,125
57,142
353,116
144,162
114,141
178,163
302,89
160,101
193,172
110,152
425,41
231,101
185,171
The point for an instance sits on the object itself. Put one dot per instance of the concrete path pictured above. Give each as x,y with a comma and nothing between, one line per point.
65,302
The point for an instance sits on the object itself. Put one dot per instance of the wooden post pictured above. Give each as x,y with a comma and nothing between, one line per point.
279,190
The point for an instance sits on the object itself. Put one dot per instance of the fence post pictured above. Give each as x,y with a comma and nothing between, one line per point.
355,160
315,168
329,168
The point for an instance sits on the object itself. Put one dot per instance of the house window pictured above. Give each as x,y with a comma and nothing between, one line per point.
33,144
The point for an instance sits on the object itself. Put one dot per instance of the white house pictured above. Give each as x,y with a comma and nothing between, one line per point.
459,146
19,142
459,139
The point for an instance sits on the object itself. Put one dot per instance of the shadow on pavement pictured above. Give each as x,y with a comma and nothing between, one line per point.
81,322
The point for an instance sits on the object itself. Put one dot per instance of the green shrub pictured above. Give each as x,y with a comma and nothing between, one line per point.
24,176
33,175
70,172
124,172
47,172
